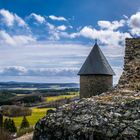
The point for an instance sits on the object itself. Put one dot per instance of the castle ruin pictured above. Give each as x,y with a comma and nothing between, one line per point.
96,75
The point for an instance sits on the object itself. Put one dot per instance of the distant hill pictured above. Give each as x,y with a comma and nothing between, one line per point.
34,86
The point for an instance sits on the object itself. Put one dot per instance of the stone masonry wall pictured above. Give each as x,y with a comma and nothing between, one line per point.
91,85
114,115
130,78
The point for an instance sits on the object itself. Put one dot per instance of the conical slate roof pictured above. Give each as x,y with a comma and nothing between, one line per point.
96,63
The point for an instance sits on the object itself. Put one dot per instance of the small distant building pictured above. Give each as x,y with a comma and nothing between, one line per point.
96,75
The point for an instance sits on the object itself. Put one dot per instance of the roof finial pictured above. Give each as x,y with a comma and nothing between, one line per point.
96,41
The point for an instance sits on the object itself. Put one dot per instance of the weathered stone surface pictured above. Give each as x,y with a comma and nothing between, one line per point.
130,78
91,85
108,116
114,115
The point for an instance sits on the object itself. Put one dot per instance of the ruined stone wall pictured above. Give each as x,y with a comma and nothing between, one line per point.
91,85
113,115
130,78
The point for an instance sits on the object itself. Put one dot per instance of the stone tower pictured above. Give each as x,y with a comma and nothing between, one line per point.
130,78
96,75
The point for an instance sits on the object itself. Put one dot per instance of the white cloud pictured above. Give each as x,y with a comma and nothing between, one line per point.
114,25
108,37
15,40
22,71
53,72
62,28
118,71
52,59
10,19
125,16
134,24
22,39
13,71
58,18
20,21
7,17
55,32
5,38
38,18
51,26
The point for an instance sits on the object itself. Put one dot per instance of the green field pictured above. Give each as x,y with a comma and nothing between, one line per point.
37,114
60,97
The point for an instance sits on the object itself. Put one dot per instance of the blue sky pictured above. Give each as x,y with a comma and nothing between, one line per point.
48,41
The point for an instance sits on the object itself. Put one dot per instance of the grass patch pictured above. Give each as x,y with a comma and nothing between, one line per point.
56,98
21,95
37,113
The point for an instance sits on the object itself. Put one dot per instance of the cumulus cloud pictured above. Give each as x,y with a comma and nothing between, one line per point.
134,24
52,58
41,59
10,19
37,17
13,71
62,28
5,38
55,32
58,18
108,37
15,40
51,26
22,39
22,71
114,25
54,72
